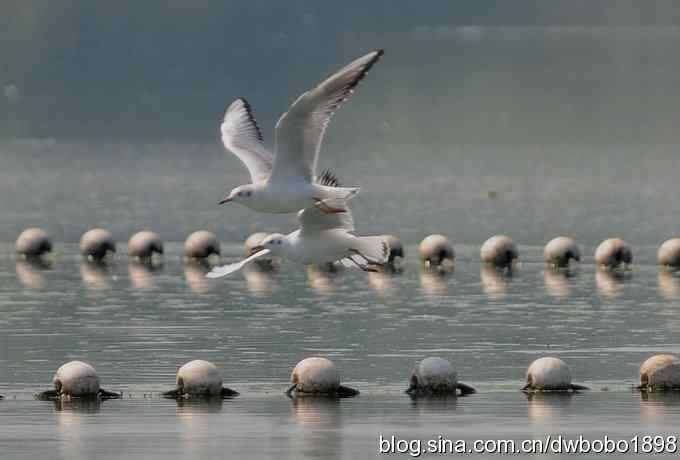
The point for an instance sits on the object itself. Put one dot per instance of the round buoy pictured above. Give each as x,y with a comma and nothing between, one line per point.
613,253
550,374
435,376
33,242
499,251
659,373
96,244
436,252
318,376
76,379
560,251
668,254
199,378
143,245
201,245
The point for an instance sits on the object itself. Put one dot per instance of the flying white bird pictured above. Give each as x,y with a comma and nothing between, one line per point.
287,182
322,238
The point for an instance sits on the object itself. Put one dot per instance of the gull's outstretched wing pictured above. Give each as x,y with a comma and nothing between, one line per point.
299,132
313,220
242,136
225,270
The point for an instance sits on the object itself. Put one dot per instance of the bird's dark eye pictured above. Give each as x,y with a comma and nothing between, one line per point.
278,241
249,193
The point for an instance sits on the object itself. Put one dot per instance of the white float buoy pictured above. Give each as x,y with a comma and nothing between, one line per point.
550,374
199,378
33,242
318,376
499,251
560,251
76,379
659,373
668,254
436,252
613,252
265,263
143,245
435,376
96,244
201,245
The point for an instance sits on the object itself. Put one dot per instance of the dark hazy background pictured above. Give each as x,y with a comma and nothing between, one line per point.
568,110
455,70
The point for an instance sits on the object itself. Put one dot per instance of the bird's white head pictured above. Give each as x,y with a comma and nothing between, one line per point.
276,243
240,194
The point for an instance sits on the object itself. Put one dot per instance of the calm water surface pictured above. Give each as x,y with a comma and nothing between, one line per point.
136,326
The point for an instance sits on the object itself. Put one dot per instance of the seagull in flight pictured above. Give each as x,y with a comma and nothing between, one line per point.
322,238
287,181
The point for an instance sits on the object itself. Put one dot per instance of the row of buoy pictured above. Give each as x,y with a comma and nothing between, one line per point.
98,244
319,376
500,251
435,251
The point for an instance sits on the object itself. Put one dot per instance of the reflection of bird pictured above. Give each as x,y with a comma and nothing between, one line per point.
287,182
321,239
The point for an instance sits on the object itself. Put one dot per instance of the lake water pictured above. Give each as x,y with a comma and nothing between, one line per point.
136,326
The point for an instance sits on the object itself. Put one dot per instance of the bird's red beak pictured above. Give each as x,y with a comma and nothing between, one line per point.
225,200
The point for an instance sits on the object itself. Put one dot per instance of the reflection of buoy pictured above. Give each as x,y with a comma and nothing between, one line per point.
96,244
201,245
318,376
194,273
669,285
609,283
613,253
95,275
30,272
143,245
33,242
557,282
436,252
76,379
560,251
550,374
499,251
141,274
668,254
321,280
494,281
395,262
659,373
435,377
434,283
382,283
199,378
